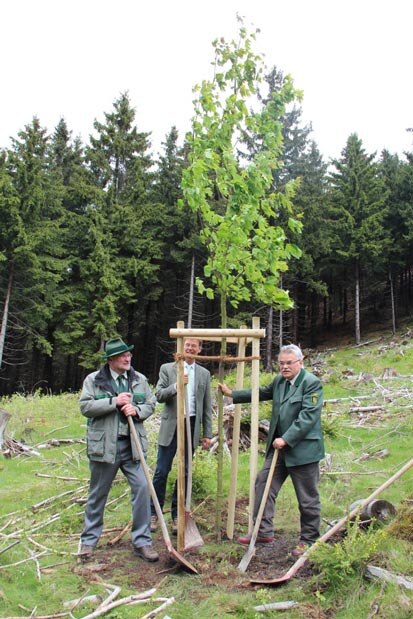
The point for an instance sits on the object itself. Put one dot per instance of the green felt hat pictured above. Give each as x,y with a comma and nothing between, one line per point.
116,346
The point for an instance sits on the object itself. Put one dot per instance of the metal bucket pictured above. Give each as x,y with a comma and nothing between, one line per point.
379,510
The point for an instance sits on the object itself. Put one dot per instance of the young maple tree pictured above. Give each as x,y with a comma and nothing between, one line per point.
232,190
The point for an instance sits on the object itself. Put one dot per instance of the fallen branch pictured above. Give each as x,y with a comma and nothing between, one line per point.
56,442
56,430
52,499
59,477
352,472
32,616
125,529
86,599
130,600
365,409
275,606
378,572
367,343
161,608
10,546
45,569
41,525
33,557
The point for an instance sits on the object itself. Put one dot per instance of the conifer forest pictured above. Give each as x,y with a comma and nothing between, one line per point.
106,238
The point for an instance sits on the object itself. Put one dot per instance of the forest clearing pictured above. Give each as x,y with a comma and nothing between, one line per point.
367,422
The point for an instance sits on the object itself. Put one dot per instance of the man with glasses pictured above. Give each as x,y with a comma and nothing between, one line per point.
295,430
109,396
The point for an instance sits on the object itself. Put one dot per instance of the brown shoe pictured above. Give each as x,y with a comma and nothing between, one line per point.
154,523
299,549
147,553
245,540
85,553
174,526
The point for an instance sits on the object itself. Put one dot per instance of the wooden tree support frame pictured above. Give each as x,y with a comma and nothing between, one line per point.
241,337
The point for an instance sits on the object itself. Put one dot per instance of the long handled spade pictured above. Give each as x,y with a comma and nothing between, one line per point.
339,525
193,537
243,564
165,534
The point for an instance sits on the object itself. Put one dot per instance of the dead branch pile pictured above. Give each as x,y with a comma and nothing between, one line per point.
12,448
245,429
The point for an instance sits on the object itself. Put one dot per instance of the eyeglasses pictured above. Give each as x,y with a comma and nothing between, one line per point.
288,363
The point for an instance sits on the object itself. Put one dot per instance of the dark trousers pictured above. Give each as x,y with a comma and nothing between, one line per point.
102,475
164,461
305,480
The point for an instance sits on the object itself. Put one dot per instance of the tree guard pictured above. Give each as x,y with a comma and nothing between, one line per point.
233,336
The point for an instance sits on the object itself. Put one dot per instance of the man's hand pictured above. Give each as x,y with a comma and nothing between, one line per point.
129,410
279,443
123,398
206,443
225,389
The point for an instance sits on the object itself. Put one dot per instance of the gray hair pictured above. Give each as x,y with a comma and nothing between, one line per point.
292,348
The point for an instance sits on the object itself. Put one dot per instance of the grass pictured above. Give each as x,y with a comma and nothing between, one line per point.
352,471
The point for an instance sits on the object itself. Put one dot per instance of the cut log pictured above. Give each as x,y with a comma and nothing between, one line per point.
4,417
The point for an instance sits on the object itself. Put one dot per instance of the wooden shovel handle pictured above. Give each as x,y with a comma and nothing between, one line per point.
264,499
155,501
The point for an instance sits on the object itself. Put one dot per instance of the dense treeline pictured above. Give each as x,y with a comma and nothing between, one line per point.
93,244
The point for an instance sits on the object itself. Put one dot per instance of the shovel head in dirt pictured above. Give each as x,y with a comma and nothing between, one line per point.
193,537
243,564
174,554
339,525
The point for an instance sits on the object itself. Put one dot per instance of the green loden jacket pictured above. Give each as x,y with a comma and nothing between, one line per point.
297,416
98,404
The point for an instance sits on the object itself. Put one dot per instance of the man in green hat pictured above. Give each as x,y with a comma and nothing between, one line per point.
108,397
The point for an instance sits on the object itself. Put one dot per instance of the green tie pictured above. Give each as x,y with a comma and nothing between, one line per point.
121,383
287,388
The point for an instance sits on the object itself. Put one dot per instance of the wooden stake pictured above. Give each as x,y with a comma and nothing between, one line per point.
180,430
255,385
235,443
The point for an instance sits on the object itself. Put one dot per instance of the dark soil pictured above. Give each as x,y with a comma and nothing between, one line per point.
270,561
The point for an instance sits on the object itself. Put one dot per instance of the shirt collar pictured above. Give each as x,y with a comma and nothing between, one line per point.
115,375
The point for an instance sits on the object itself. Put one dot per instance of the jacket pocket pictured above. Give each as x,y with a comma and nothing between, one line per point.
96,443
142,437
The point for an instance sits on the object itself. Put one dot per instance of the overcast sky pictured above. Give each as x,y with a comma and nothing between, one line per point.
72,59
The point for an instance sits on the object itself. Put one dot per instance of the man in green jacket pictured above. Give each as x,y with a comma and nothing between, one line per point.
295,430
108,397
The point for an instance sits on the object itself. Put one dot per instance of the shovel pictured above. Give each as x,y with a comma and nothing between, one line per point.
304,558
243,564
193,537
174,554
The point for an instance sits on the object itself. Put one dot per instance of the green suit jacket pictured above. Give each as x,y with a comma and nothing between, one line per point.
296,417
165,392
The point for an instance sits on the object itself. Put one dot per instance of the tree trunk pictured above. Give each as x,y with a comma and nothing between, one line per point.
357,304
4,320
393,310
191,292
268,352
